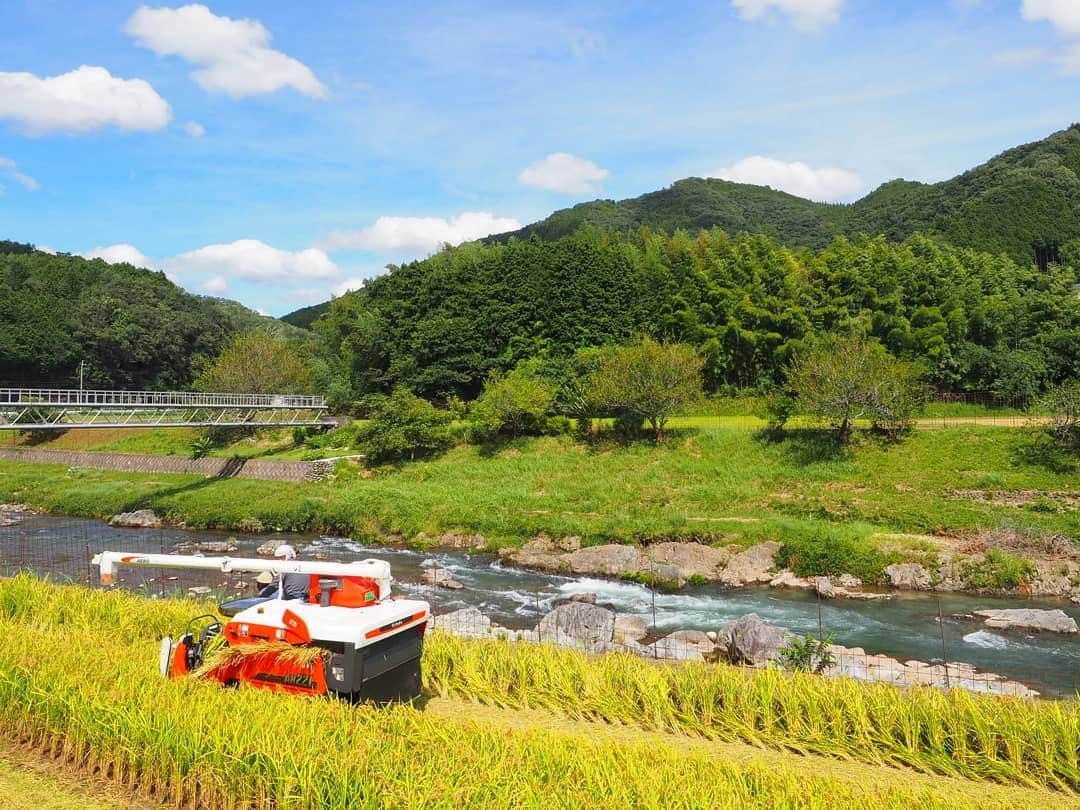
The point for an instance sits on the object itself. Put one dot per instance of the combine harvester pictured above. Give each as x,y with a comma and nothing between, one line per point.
350,638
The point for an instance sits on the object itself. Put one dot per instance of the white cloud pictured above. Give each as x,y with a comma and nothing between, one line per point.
565,173
806,14
397,235
827,185
235,55
348,285
1022,57
84,99
215,285
308,295
1070,60
1064,15
120,254
252,259
216,264
10,168
194,129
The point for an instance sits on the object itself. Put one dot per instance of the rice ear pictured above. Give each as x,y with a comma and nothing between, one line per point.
227,656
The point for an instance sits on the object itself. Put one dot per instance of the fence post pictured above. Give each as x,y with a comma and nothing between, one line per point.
944,650
652,593
539,632
820,626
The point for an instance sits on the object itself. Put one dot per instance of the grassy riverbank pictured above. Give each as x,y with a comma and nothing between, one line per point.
681,742
714,484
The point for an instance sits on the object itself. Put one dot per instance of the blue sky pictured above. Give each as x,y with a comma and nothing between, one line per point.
278,152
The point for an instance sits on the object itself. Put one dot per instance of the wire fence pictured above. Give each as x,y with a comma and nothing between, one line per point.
583,624
64,552
971,409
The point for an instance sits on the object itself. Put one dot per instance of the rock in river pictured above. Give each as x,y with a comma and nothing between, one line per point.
140,519
1050,621
440,577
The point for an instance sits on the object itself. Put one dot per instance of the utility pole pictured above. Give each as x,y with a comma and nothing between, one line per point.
82,367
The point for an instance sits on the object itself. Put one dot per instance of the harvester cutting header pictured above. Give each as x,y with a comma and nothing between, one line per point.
348,637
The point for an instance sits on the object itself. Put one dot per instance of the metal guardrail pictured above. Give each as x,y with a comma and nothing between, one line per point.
74,397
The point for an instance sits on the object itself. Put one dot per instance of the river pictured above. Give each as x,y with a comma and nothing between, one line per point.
904,627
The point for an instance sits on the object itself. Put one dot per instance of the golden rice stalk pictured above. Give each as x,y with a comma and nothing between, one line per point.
228,656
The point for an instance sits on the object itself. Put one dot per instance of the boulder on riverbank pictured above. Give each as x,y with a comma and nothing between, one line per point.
751,566
683,645
908,576
629,630
468,622
668,564
691,560
788,579
139,519
752,640
578,624
611,560
13,513
1048,621
452,540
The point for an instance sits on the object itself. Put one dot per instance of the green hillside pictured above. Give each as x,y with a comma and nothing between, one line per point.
304,317
973,320
1023,202
129,327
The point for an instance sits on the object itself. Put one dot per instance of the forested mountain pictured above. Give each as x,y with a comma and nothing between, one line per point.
1024,202
974,320
132,328
304,317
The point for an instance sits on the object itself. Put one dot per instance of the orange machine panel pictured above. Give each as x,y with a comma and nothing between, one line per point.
345,592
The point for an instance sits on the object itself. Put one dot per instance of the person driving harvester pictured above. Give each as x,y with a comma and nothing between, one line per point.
293,586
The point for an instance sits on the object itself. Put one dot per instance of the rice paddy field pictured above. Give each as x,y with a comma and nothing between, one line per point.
505,725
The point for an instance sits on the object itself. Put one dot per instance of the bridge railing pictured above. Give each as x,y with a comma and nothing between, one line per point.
74,397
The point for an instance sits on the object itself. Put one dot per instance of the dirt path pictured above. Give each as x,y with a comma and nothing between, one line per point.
29,781
983,794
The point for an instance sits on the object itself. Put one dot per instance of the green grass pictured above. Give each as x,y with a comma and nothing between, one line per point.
78,680
700,484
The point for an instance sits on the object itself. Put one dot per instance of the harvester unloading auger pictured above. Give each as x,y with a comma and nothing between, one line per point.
349,638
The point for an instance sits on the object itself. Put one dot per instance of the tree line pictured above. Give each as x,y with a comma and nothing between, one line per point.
968,320
120,326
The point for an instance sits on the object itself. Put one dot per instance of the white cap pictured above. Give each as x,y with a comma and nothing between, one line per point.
285,552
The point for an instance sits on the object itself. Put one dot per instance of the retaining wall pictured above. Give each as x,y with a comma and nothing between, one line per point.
215,467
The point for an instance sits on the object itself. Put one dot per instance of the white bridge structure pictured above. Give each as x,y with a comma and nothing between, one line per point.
67,408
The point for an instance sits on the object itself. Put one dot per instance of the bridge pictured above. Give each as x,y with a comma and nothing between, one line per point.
67,408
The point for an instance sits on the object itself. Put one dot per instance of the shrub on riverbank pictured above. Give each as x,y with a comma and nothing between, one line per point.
834,550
